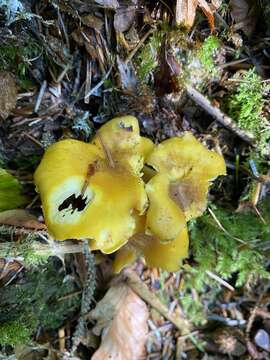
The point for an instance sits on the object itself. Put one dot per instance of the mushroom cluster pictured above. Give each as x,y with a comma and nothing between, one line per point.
126,194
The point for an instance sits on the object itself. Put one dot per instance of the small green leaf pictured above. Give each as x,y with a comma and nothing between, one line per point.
10,192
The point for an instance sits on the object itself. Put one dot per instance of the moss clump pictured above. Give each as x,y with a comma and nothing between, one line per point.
15,56
246,108
223,254
14,333
220,253
40,301
207,53
147,59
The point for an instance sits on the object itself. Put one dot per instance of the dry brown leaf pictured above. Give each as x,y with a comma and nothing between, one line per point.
8,94
245,13
108,4
186,12
208,13
21,218
9,268
122,319
124,18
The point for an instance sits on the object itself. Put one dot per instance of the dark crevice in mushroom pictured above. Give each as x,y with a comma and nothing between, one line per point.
77,203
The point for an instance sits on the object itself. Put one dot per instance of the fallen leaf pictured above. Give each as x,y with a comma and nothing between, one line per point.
108,4
208,13
21,218
10,190
245,13
93,21
122,319
124,18
9,268
186,12
8,94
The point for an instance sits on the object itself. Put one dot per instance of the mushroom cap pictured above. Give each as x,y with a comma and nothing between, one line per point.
80,205
181,156
167,256
121,138
125,256
146,146
190,194
164,219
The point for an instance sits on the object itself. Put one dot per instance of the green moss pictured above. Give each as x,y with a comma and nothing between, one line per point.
14,333
147,59
207,52
223,254
246,108
220,253
15,56
40,301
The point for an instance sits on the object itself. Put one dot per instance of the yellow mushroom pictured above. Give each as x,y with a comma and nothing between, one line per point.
168,256
83,197
96,191
120,139
180,156
164,219
189,167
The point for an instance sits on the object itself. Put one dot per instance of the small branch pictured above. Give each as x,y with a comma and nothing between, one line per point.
12,249
140,43
40,96
106,151
87,296
142,290
223,229
218,279
217,114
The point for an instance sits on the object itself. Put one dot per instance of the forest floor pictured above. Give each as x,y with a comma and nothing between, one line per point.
68,67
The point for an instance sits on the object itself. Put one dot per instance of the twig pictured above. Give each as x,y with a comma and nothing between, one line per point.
88,80
218,279
87,296
99,84
140,43
223,229
217,114
40,96
142,290
50,248
33,139
106,151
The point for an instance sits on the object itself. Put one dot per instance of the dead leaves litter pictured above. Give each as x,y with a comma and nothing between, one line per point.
122,320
